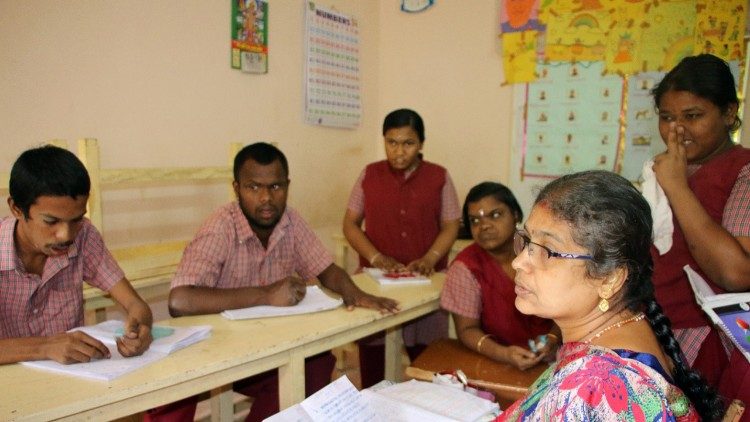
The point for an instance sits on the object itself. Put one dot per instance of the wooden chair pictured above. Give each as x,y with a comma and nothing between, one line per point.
148,267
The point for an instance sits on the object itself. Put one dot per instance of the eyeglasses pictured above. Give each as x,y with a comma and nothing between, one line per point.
540,254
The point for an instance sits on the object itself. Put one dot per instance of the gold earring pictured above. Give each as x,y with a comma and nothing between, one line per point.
603,305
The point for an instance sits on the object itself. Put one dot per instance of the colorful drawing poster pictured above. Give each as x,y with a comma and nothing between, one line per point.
720,27
332,81
250,35
668,36
642,139
572,120
519,56
627,20
519,15
576,31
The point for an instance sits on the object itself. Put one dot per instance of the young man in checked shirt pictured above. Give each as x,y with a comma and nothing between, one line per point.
47,249
257,251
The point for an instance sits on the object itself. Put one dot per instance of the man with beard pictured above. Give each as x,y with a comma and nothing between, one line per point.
47,249
257,251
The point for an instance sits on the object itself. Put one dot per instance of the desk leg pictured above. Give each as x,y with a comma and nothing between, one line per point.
394,343
292,381
222,404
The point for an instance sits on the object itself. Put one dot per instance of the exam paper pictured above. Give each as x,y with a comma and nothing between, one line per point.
315,300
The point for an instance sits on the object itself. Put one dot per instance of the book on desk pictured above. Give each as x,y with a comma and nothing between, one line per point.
409,401
166,340
729,311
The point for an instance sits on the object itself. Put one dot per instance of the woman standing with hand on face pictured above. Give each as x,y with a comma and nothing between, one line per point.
411,212
706,178
479,288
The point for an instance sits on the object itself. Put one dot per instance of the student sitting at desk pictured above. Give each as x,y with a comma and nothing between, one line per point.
47,250
479,289
257,251
411,211
582,259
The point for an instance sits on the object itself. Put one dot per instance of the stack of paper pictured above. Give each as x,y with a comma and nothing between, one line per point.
411,401
315,300
166,341
398,278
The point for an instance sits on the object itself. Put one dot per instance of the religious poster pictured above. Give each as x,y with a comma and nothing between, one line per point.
250,35
332,81
572,120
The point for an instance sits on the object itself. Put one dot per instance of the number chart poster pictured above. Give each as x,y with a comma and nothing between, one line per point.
250,35
571,123
332,81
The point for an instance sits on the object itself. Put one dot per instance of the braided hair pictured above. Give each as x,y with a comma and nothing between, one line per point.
611,219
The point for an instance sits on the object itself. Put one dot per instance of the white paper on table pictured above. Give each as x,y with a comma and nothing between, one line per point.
117,365
381,277
315,300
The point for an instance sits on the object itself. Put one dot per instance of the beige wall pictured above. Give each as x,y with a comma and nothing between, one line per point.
151,80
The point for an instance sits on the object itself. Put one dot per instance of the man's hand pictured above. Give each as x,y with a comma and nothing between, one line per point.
288,291
364,300
74,347
136,339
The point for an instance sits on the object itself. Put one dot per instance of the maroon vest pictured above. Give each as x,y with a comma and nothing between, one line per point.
402,217
499,314
711,183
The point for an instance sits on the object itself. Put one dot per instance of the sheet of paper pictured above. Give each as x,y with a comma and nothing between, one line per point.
168,339
315,301
339,402
451,403
102,369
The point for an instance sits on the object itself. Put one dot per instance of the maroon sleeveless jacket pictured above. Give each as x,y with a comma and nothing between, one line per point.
499,314
402,217
711,183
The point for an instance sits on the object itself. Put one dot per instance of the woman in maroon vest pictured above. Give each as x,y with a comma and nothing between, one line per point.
411,211
479,288
706,178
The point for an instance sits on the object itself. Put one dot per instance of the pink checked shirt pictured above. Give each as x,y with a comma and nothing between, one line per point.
31,305
225,252
462,293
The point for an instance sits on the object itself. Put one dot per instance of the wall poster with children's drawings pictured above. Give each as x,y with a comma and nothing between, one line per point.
332,82
572,120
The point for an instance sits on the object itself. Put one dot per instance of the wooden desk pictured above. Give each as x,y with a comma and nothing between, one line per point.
235,350
450,354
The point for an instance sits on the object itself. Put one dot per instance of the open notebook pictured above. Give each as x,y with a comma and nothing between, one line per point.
729,311
166,341
315,300
411,401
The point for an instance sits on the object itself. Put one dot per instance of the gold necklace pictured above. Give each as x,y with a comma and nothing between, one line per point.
637,317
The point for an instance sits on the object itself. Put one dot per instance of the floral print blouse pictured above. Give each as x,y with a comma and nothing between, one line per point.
592,383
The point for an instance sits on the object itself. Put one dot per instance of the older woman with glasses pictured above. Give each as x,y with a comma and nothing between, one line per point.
478,288
583,261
